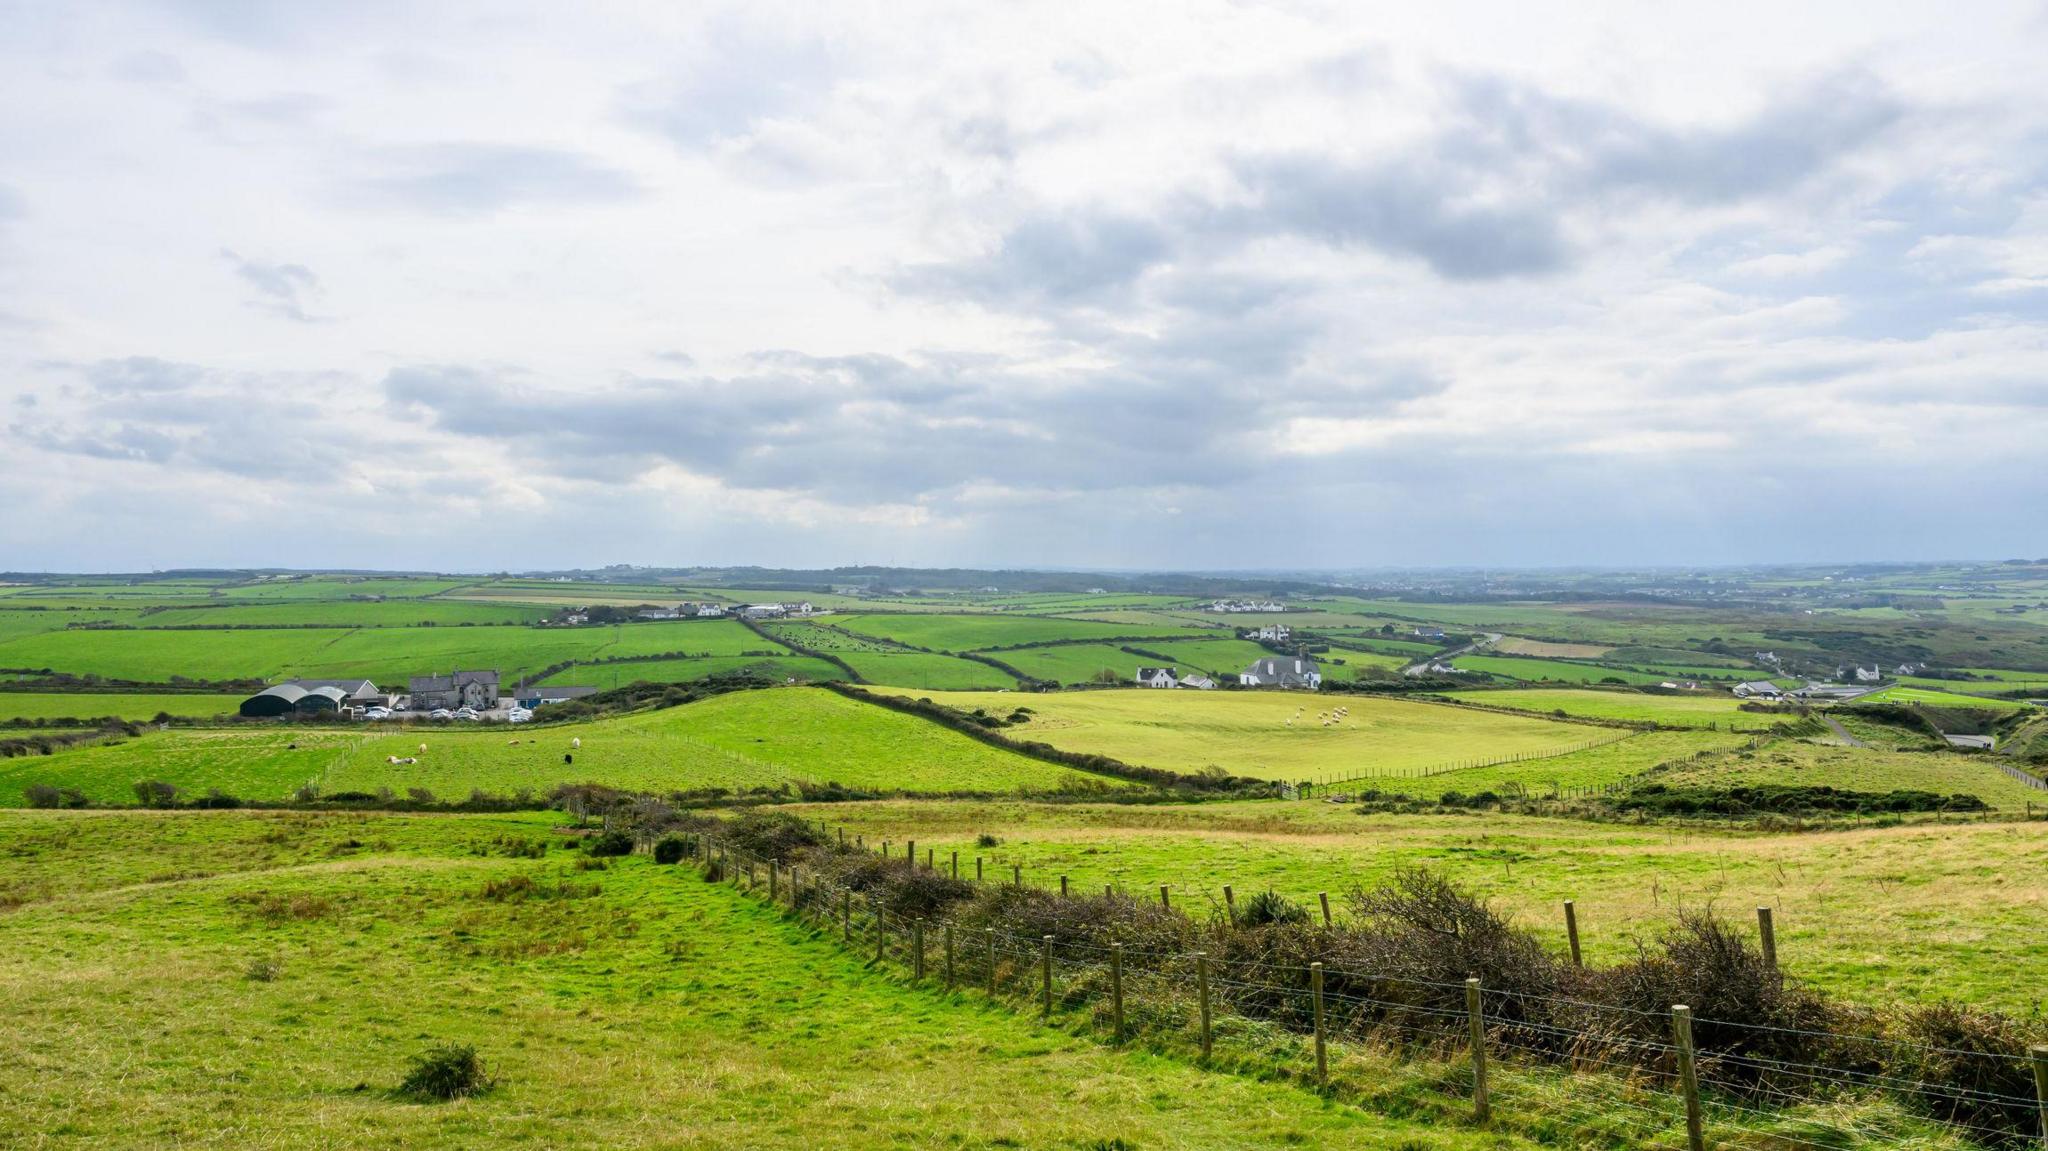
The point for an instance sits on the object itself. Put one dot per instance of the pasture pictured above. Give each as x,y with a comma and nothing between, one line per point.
940,632
1248,733
85,705
1900,913
1072,663
925,671
229,979
1678,709
763,738
1932,697
685,669
1795,763
343,613
1539,670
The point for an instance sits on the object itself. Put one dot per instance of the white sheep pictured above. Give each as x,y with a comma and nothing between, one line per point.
392,760
423,749
576,742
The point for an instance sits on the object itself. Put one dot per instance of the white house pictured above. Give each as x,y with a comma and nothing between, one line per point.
1283,671
1158,677
708,610
1871,674
1276,632
1198,681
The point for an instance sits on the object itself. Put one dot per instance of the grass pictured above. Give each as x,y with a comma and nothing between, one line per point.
1516,645
1072,663
86,705
744,739
344,613
606,675
1864,769
1878,913
1593,767
1537,670
385,654
1936,698
1221,658
977,632
1247,733
648,1008
925,671
1690,709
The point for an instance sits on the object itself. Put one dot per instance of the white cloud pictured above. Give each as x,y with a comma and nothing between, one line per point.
1187,284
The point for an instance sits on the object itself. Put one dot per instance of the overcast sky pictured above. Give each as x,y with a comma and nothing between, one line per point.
1194,285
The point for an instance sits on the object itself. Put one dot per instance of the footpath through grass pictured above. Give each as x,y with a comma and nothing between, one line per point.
268,987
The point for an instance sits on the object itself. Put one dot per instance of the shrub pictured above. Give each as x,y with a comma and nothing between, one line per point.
671,850
263,971
216,799
1977,1051
40,795
611,843
986,840
449,1071
155,793
1271,907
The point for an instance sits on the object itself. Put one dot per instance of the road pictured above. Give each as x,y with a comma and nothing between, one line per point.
1486,639
1841,733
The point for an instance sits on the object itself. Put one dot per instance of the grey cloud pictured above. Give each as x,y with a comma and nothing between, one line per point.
1066,258
740,75
139,375
283,286
478,179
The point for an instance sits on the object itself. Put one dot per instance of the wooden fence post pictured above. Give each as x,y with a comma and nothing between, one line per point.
1324,896
917,950
977,869
956,865
1571,930
1769,937
2039,1056
1229,904
949,955
1688,1076
1315,986
930,860
1476,1014
1165,900
910,854
1045,966
1016,875
1202,982
1063,887
1116,988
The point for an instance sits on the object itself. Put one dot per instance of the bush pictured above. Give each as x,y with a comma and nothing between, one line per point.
450,1071
1975,1050
671,850
1271,907
216,799
611,843
155,793
986,840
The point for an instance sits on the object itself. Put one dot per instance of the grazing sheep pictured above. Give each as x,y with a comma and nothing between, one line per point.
423,749
568,757
576,742
392,760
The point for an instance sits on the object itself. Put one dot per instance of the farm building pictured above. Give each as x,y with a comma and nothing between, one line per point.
532,697
311,696
1283,671
1158,677
477,689
1198,681
1758,689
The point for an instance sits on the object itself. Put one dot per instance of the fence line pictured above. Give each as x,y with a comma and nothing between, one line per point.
1070,974
1472,764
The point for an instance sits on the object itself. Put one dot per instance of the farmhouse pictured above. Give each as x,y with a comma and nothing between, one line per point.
1244,605
312,696
1871,674
1158,677
1758,689
1283,671
1198,681
1276,632
478,689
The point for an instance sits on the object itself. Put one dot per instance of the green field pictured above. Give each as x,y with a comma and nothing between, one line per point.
609,675
83,705
1593,767
1936,698
1247,733
1072,663
977,632
1862,769
1688,709
925,671
1537,670
385,654
343,613
1878,914
822,637
743,739
1221,658
637,1006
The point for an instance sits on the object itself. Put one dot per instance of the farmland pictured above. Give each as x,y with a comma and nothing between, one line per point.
1248,733
981,632
642,1006
1536,670
685,669
1937,698
1877,914
746,739
79,705
1690,709
1862,769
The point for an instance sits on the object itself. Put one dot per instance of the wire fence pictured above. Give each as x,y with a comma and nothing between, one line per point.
1665,1078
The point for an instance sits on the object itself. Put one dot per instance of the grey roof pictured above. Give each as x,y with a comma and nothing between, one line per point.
1759,685
350,687
450,682
288,692
1149,672
329,692
1283,665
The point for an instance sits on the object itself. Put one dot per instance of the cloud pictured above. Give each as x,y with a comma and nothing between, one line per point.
467,179
283,286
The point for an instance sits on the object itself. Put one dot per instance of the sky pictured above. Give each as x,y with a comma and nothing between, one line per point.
1191,285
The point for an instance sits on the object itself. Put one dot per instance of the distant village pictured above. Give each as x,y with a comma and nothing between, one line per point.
459,695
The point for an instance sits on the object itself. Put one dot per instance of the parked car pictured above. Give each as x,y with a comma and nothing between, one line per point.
518,715
377,713
466,713
440,713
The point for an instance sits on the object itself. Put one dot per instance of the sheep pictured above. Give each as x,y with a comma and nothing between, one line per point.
423,749
576,742
568,757
392,760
